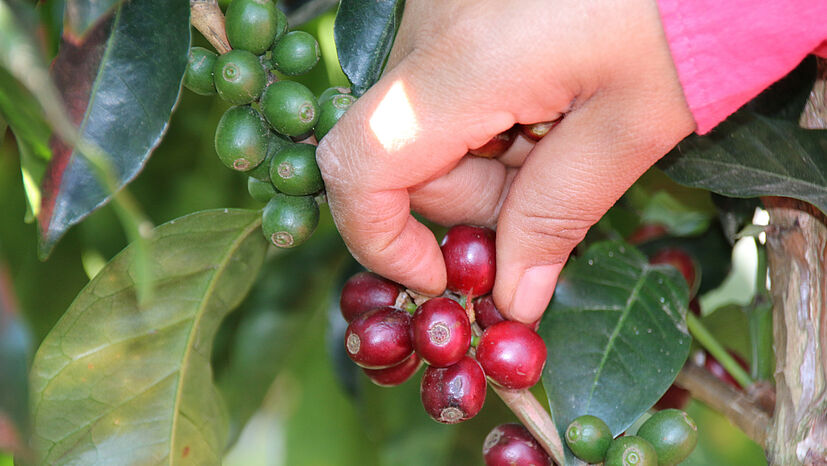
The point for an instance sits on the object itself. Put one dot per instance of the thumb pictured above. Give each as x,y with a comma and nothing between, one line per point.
570,179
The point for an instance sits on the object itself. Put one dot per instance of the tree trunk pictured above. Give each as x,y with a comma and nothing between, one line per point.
797,252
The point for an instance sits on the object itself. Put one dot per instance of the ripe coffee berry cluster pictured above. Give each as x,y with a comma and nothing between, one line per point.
665,439
390,337
269,132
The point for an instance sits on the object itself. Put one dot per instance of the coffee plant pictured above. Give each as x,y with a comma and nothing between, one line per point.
687,328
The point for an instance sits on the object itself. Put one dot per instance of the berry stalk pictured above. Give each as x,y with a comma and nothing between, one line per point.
208,19
711,344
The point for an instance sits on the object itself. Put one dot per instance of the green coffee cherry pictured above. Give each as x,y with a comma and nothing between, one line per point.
293,170
241,138
296,53
262,191
631,451
328,93
275,144
672,433
239,77
251,25
288,221
199,78
589,437
330,112
281,26
290,108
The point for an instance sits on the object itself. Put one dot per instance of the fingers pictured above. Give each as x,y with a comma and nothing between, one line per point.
570,179
385,144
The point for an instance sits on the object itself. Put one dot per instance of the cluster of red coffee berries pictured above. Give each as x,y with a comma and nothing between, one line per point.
501,142
270,132
665,439
391,333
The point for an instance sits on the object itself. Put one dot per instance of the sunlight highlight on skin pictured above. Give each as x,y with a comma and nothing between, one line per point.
394,122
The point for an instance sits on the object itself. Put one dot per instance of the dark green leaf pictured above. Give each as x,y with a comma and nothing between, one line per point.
293,286
81,15
364,34
15,347
751,155
119,85
785,99
616,336
123,383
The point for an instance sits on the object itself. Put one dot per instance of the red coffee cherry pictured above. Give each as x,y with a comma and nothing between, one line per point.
682,261
455,393
395,375
380,338
537,131
441,332
647,232
485,313
513,445
512,355
497,145
365,292
470,264
674,398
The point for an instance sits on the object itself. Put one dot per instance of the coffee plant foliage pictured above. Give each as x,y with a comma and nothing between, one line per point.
198,334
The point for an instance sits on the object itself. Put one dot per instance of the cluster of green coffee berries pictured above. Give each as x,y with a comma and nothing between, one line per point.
665,439
260,134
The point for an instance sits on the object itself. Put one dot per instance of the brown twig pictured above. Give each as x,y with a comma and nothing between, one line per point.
209,20
735,405
535,418
814,115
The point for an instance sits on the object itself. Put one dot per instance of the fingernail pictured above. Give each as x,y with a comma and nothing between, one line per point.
533,293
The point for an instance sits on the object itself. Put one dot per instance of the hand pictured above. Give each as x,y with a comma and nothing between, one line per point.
462,71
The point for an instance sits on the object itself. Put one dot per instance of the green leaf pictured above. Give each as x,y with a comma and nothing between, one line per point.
292,287
115,382
15,350
751,155
364,34
119,85
83,14
616,336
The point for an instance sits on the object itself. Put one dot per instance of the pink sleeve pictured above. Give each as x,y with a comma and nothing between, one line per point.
727,52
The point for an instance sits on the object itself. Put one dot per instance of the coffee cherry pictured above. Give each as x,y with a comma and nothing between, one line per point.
330,112
294,171
251,25
647,232
512,355
513,445
288,221
239,77
672,433
290,108
631,450
674,398
328,93
485,313
395,375
275,144
199,75
455,393
712,365
497,145
296,53
682,261
537,131
379,338
470,263
241,138
262,191
441,332
365,292
589,437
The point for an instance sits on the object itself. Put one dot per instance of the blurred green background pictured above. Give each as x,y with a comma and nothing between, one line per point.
319,410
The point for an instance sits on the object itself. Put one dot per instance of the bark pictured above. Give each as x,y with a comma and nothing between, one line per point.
815,114
797,253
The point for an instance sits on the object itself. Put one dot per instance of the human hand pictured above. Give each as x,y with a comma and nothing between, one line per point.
462,71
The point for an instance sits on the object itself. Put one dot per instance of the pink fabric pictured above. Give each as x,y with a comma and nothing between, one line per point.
726,52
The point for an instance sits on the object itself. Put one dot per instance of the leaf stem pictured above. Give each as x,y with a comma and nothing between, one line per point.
722,397
209,20
711,344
